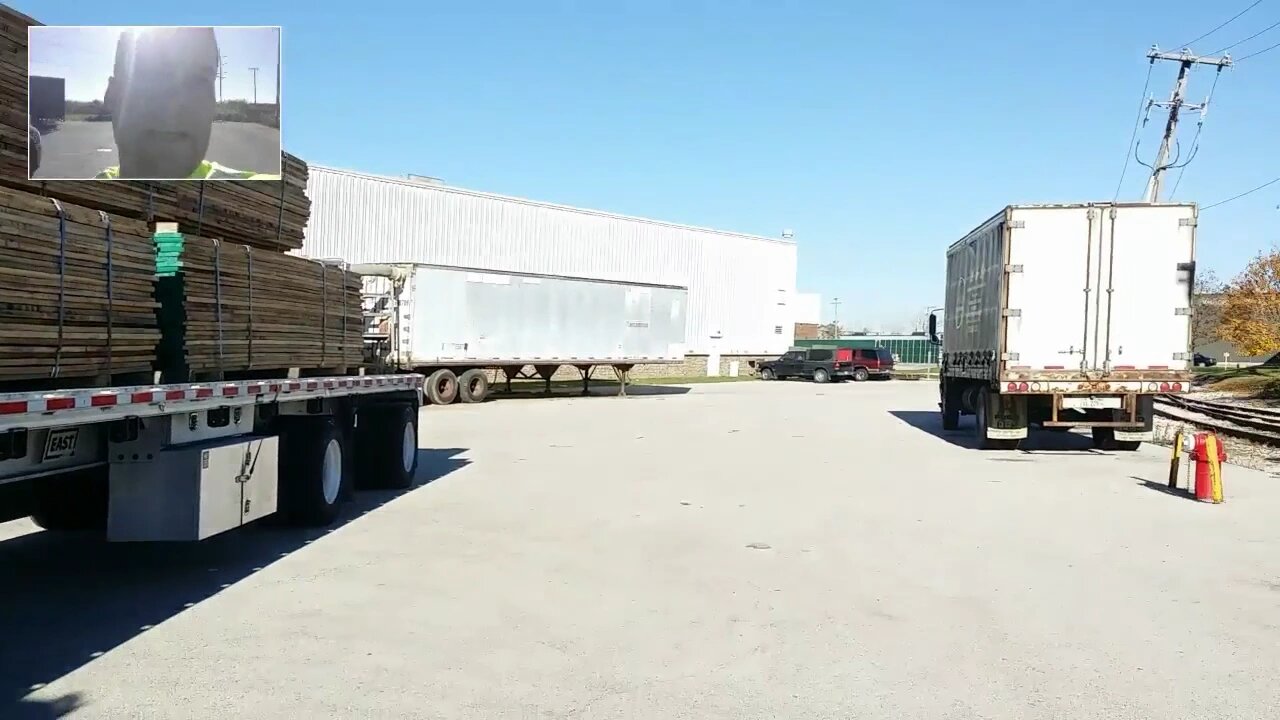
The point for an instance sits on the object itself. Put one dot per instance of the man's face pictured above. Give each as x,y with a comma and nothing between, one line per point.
162,102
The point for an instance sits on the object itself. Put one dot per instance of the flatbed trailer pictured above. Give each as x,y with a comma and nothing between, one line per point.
185,461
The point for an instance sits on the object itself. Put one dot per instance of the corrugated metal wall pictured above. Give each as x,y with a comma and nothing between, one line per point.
740,286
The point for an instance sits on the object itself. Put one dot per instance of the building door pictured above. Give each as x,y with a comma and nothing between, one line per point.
713,356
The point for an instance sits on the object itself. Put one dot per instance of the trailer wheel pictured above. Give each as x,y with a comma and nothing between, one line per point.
820,375
442,387
73,501
950,409
473,386
387,447
313,471
861,375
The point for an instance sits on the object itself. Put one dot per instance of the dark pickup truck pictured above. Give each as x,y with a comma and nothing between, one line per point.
827,364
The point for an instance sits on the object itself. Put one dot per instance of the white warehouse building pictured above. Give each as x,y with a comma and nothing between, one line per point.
741,287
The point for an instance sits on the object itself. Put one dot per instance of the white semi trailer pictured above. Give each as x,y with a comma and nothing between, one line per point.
187,461
1067,316
453,325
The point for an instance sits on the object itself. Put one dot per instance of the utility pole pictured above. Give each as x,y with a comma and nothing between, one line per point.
1175,104
222,72
835,312
254,70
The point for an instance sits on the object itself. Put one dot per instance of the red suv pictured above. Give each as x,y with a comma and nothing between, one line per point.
872,363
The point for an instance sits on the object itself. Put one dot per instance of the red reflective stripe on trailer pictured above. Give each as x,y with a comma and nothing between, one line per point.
275,387
104,400
13,407
1055,367
1126,367
1157,367
59,403
204,393
313,386
175,395
254,389
1019,367
142,398
329,384
368,382
230,391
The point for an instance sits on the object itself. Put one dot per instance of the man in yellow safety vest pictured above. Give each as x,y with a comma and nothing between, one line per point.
162,103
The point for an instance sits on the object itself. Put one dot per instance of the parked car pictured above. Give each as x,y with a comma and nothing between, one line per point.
826,364
1204,360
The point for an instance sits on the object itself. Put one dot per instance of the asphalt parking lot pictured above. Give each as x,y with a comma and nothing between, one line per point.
79,149
741,550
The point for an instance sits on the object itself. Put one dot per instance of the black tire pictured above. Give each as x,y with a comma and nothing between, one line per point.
442,387
314,471
386,447
861,375
820,375
950,411
71,502
473,386
767,374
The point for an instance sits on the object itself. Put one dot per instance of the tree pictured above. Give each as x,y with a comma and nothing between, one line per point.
1251,307
1206,309
830,331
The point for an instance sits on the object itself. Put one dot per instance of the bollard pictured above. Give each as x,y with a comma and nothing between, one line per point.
1176,460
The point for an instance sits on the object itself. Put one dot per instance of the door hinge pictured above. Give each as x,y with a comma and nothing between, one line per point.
1182,311
1187,222
1017,224
1181,356
1013,268
1011,312
1012,357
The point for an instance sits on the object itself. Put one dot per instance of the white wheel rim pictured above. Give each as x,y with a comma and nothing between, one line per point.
331,472
408,447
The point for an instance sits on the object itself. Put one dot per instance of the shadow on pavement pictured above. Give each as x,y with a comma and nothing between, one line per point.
533,393
69,598
1038,441
1164,488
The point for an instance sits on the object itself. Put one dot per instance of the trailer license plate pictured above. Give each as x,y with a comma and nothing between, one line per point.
1091,402
60,444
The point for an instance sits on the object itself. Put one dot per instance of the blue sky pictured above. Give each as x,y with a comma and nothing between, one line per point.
879,132
85,56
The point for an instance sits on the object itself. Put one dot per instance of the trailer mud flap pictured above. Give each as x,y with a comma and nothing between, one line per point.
1008,417
1144,414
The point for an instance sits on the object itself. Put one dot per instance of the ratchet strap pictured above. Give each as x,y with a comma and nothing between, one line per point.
62,286
106,222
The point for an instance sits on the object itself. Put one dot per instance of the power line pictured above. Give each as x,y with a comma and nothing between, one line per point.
1233,19
1241,42
1142,101
1263,50
1237,197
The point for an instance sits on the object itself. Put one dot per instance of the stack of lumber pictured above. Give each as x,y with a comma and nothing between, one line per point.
13,92
231,308
76,291
265,214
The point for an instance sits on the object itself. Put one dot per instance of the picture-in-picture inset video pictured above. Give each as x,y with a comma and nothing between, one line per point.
154,103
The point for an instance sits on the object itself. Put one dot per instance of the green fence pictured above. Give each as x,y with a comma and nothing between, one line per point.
908,350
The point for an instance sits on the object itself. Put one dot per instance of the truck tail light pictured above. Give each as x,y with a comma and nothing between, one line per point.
1177,387
1023,387
1164,387
1012,387
1017,387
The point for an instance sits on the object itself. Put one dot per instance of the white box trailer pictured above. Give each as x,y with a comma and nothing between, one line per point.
186,461
453,324
1068,316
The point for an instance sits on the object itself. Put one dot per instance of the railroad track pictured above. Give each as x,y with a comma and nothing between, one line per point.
1260,425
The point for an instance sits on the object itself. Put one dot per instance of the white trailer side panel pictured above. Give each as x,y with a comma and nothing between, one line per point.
458,315
740,286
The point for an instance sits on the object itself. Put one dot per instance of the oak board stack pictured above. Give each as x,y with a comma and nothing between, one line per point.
266,214
76,292
228,308
13,92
